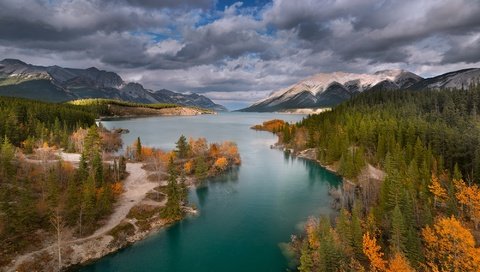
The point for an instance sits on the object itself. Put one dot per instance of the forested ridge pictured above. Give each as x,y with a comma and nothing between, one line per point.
22,119
101,107
424,215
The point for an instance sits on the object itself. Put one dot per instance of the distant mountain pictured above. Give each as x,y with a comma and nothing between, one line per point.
58,84
329,89
455,80
192,99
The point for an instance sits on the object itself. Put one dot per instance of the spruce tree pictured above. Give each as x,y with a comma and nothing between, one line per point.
397,231
201,169
138,149
172,208
182,147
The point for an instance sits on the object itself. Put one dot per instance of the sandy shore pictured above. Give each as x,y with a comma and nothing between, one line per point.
136,187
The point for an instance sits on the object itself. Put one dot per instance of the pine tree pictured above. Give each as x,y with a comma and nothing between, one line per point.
201,169
182,147
183,187
397,231
172,208
97,170
138,149
357,231
7,153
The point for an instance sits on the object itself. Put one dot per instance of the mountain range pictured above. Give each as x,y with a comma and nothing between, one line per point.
59,84
329,89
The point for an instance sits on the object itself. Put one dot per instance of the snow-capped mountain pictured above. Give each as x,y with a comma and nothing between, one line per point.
455,80
329,89
58,84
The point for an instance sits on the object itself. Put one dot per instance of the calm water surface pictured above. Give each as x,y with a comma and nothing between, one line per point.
245,216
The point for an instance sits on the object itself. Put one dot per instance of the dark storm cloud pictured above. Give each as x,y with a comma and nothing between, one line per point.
468,52
190,45
378,28
168,3
42,21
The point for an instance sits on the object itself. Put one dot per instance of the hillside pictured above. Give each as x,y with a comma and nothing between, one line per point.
424,204
330,89
118,108
58,84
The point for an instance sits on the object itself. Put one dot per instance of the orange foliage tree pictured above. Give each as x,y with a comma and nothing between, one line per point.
188,167
198,147
399,264
439,193
373,252
221,163
469,197
450,247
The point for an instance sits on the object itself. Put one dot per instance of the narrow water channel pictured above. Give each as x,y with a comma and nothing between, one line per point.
245,216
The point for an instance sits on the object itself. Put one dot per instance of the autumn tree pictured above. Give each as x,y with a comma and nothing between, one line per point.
221,163
439,193
449,246
399,264
469,198
373,252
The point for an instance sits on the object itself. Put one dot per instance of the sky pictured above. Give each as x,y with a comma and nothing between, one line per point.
238,52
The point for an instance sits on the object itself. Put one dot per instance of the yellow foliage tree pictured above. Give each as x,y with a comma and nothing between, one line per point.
399,264
461,192
311,228
373,253
469,197
188,167
439,193
450,247
221,163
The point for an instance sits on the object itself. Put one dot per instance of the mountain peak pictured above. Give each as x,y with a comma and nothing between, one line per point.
93,69
329,89
12,62
60,84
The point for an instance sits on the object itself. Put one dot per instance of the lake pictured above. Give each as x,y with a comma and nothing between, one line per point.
245,216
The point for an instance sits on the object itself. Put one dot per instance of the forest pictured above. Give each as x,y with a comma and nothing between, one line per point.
44,197
101,107
424,215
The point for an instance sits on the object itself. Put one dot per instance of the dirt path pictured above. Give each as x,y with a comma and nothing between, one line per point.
136,186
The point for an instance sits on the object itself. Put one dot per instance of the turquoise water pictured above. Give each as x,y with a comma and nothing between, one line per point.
245,216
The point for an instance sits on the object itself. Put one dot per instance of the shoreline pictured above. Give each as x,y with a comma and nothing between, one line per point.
121,229
133,116
342,195
136,216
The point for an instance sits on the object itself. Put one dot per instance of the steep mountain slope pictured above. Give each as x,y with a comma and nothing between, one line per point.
460,79
192,99
324,90
58,84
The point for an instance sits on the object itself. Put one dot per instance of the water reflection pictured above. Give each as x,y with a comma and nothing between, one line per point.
202,194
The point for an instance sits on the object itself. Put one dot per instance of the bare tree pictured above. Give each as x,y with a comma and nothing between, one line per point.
58,223
157,163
